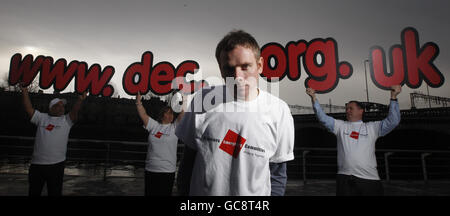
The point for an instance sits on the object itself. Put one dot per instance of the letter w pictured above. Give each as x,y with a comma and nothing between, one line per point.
24,70
93,79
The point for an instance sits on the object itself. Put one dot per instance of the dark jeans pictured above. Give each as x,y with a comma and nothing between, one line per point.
52,175
348,185
158,184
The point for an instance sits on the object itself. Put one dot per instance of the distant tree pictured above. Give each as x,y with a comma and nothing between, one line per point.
4,85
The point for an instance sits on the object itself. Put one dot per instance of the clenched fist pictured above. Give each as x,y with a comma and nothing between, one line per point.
395,90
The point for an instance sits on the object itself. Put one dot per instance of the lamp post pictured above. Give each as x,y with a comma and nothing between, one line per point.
365,73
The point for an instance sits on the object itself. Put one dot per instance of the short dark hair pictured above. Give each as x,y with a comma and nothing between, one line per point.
237,38
358,104
161,113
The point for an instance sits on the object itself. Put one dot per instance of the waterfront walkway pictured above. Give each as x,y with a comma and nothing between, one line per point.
17,185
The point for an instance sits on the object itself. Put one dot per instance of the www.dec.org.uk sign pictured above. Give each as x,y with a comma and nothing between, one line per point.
409,64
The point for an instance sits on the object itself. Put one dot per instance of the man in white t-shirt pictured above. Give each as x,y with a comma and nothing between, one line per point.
237,137
357,165
50,144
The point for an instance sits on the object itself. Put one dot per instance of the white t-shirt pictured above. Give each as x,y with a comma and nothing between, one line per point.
52,135
162,149
235,141
356,148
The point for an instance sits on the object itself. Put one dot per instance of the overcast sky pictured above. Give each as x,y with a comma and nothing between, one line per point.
116,33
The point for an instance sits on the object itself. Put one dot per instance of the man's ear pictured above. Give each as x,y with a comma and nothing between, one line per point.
260,64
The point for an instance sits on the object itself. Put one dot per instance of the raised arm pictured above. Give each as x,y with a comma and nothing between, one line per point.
184,107
393,119
324,119
76,107
141,110
26,101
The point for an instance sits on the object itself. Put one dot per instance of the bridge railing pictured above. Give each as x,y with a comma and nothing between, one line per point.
309,163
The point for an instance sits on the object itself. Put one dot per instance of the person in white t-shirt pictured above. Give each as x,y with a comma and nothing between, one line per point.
161,161
357,165
50,144
237,137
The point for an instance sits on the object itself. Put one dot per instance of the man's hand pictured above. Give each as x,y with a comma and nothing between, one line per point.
22,86
312,93
138,98
73,114
395,90
83,96
26,100
141,110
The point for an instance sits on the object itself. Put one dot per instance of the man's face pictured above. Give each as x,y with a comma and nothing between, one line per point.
242,65
57,109
354,113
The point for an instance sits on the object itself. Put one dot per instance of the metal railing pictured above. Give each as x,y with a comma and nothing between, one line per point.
308,163
442,161
99,152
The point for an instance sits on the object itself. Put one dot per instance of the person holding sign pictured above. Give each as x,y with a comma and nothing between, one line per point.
161,161
357,166
237,137
50,145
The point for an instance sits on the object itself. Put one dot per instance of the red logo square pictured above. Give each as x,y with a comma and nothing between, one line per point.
230,142
354,135
50,127
158,135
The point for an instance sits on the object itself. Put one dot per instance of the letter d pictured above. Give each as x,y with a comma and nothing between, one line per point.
140,69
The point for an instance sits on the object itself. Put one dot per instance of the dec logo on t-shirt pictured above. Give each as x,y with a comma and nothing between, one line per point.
354,135
158,135
230,142
50,127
